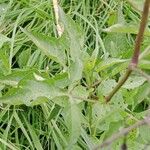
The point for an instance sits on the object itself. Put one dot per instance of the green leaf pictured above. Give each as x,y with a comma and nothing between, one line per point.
3,39
79,94
61,80
103,115
31,90
56,140
115,70
134,82
108,63
24,57
3,8
61,101
10,145
106,86
145,64
142,93
33,58
87,139
75,70
75,37
60,136
145,133
52,47
35,138
7,130
73,122
43,14
21,125
4,62
117,45
90,61
15,77
137,4
125,28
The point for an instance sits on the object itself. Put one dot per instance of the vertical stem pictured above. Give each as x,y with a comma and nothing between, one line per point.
141,33
134,60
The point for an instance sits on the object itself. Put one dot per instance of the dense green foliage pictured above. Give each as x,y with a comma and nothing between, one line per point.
52,89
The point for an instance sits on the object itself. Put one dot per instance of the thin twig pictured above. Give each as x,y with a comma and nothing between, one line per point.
123,132
134,60
56,11
140,35
118,86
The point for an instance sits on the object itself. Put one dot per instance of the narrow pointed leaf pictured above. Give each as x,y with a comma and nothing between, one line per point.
125,28
75,37
52,47
137,4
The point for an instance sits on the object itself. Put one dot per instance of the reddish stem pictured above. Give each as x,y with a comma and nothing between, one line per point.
134,61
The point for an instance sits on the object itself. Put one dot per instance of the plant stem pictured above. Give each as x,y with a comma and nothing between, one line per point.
141,32
118,86
134,61
123,132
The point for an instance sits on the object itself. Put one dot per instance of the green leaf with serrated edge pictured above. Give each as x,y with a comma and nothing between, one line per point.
74,33
30,90
104,64
125,28
103,115
75,37
134,82
52,47
117,45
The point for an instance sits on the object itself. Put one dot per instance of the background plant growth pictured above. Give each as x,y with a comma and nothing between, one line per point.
52,88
